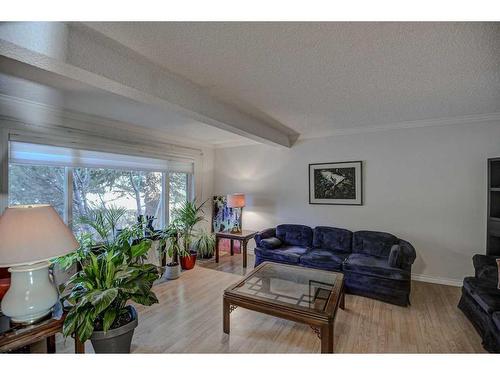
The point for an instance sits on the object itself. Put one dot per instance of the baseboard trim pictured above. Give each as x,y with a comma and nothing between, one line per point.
437,280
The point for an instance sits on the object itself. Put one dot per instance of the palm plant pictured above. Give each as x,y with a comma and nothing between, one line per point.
186,218
104,221
177,237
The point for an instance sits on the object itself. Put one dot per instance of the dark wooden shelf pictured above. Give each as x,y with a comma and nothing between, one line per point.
493,231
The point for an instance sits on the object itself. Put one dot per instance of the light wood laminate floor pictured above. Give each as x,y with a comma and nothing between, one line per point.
188,319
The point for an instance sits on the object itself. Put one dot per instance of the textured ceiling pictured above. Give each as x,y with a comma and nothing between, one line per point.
316,78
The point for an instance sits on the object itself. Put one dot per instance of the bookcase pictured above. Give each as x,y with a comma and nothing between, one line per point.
493,226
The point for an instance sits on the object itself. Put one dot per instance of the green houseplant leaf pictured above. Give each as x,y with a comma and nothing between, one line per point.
111,274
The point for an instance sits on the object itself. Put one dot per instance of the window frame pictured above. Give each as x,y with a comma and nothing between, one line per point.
68,188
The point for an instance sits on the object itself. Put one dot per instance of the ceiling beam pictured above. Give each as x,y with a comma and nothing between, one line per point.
96,60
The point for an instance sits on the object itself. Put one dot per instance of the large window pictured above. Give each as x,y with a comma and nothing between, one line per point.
138,192
178,187
74,182
37,184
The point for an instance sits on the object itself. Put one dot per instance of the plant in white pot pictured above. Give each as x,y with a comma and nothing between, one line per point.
170,245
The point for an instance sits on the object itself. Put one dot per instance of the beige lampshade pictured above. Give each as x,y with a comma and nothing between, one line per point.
236,200
31,234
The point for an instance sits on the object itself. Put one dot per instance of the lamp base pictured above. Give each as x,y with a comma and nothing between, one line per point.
31,295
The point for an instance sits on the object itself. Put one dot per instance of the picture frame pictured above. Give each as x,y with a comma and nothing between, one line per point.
337,183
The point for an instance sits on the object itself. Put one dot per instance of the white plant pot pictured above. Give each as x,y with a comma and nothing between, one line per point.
172,272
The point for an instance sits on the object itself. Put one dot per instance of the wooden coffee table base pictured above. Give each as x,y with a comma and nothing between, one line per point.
324,330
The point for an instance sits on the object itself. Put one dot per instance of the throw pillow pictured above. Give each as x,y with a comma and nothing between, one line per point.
395,256
270,243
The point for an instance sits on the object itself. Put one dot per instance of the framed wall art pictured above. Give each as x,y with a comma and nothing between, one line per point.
336,183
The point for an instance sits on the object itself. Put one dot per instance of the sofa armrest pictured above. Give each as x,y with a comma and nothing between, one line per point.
481,261
402,255
266,233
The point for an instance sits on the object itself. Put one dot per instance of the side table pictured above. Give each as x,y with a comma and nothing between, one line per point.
14,337
243,236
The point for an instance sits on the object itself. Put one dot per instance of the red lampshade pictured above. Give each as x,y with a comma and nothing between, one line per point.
236,200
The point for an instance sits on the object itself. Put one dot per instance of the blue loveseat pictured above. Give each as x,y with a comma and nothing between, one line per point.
375,264
480,301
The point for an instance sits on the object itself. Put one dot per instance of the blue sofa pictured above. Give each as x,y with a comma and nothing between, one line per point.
375,264
480,301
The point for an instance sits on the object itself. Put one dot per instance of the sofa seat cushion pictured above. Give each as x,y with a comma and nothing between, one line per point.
374,266
496,319
324,259
486,295
295,235
377,244
284,254
474,285
332,239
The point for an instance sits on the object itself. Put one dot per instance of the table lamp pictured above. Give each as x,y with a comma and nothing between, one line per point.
237,200
29,237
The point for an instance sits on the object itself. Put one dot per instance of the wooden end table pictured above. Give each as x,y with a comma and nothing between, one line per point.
299,294
243,236
15,337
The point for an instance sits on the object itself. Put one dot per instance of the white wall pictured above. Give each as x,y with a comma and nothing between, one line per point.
426,185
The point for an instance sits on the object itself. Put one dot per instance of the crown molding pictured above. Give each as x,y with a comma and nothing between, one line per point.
445,121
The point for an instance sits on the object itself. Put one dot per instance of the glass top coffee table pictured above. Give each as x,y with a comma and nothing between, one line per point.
299,294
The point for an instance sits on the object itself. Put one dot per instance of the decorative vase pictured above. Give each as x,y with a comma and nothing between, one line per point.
116,340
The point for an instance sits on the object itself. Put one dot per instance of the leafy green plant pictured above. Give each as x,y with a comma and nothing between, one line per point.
204,244
171,245
112,273
104,221
186,218
100,291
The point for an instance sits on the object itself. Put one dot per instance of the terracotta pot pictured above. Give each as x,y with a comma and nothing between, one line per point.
4,287
188,262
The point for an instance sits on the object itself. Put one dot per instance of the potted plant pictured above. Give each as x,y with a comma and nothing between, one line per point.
177,238
170,245
204,244
187,216
112,273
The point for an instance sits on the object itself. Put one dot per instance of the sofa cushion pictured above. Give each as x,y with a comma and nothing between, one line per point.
324,259
294,235
480,260
373,243
496,319
488,301
374,266
270,243
332,239
284,254
484,292
474,284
